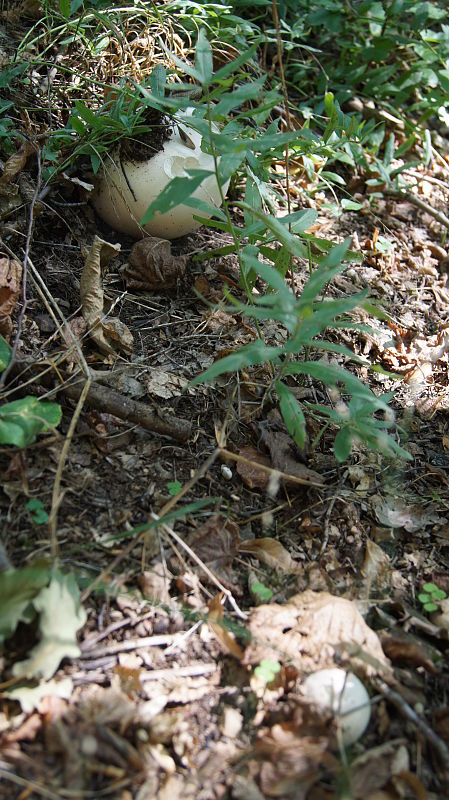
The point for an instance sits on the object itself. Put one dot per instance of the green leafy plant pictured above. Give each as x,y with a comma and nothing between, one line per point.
174,487
21,421
260,592
431,597
37,511
356,411
267,670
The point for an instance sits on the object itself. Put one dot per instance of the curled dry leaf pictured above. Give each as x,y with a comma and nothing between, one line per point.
17,161
405,650
10,281
270,552
152,266
217,624
376,566
311,630
92,300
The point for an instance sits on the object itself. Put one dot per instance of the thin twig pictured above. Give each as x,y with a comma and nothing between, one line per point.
403,707
56,495
416,201
270,470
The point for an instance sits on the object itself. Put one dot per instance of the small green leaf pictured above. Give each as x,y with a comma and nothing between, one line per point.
343,444
37,511
261,592
5,353
178,190
429,607
430,587
174,487
157,80
18,587
64,8
22,420
292,414
203,58
424,598
267,670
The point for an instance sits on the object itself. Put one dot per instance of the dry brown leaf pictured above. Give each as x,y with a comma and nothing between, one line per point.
291,762
311,630
396,513
405,650
285,455
251,476
270,552
10,282
92,300
152,266
376,567
17,161
164,384
216,622
216,542
155,583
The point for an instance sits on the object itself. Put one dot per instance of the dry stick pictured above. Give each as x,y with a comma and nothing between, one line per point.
416,201
403,707
111,402
16,342
56,497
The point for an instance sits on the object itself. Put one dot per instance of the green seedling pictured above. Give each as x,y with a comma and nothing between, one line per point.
174,487
260,592
431,596
267,670
37,511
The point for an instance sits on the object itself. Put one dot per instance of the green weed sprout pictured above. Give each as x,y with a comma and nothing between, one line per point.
431,597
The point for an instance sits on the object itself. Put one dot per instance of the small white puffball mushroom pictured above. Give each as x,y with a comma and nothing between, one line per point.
126,188
342,693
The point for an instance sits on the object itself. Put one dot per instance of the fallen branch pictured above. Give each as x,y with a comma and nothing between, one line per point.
416,201
407,711
108,401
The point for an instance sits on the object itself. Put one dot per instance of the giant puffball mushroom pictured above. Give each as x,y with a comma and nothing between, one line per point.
345,695
126,188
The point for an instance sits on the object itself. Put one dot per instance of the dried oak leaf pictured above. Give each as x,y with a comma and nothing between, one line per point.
311,630
10,281
152,266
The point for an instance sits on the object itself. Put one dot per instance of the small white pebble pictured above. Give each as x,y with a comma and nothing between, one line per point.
226,472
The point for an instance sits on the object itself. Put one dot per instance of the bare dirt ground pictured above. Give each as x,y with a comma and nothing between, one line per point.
319,568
